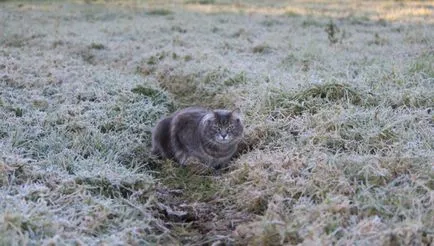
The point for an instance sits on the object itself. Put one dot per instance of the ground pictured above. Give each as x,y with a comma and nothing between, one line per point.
337,99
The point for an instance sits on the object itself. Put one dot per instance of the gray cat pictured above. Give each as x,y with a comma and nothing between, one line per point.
197,134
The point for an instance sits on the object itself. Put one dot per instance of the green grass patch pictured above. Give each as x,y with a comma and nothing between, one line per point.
291,13
237,79
311,22
313,98
100,185
145,91
271,22
332,31
378,40
97,46
155,59
213,88
159,12
200,2
423,64
192,186
261,48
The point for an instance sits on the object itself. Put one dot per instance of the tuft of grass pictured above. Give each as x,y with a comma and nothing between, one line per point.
271,22
378,40
40,104
291,13
312,98
149,92
410,98
97,46
18,40
155,59
16,224
237,79
359,20
178,29
239,33
204,2
100,185
308,22
194,186
332,92
292,60
423,64
159,12
88,56
157,96
149,66
18,112
202,89
332,31
188,58
261,48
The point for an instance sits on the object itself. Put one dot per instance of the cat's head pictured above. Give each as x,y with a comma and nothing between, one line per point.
223,126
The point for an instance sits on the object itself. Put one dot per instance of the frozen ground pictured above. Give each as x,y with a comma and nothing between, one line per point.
337,98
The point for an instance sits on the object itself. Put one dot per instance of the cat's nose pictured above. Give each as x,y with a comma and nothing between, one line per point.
224,135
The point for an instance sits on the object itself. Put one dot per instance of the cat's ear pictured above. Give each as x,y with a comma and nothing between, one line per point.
236,113
209,117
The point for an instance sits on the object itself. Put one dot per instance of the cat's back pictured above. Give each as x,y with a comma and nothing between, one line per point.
176,131
161,138
190,115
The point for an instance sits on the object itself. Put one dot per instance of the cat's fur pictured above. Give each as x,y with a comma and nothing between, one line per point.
209,136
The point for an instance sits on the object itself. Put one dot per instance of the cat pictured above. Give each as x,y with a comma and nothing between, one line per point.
198,134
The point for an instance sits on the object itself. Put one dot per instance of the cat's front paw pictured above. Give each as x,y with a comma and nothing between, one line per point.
181,157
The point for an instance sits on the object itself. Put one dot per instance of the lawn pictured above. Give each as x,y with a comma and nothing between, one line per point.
337,99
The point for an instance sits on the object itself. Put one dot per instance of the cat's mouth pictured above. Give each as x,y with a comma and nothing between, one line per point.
223,140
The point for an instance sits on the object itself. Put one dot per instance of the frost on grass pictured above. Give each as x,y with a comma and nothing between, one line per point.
344,164
66,164
218,88
338,113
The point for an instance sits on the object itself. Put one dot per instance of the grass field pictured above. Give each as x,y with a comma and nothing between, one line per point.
337,98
